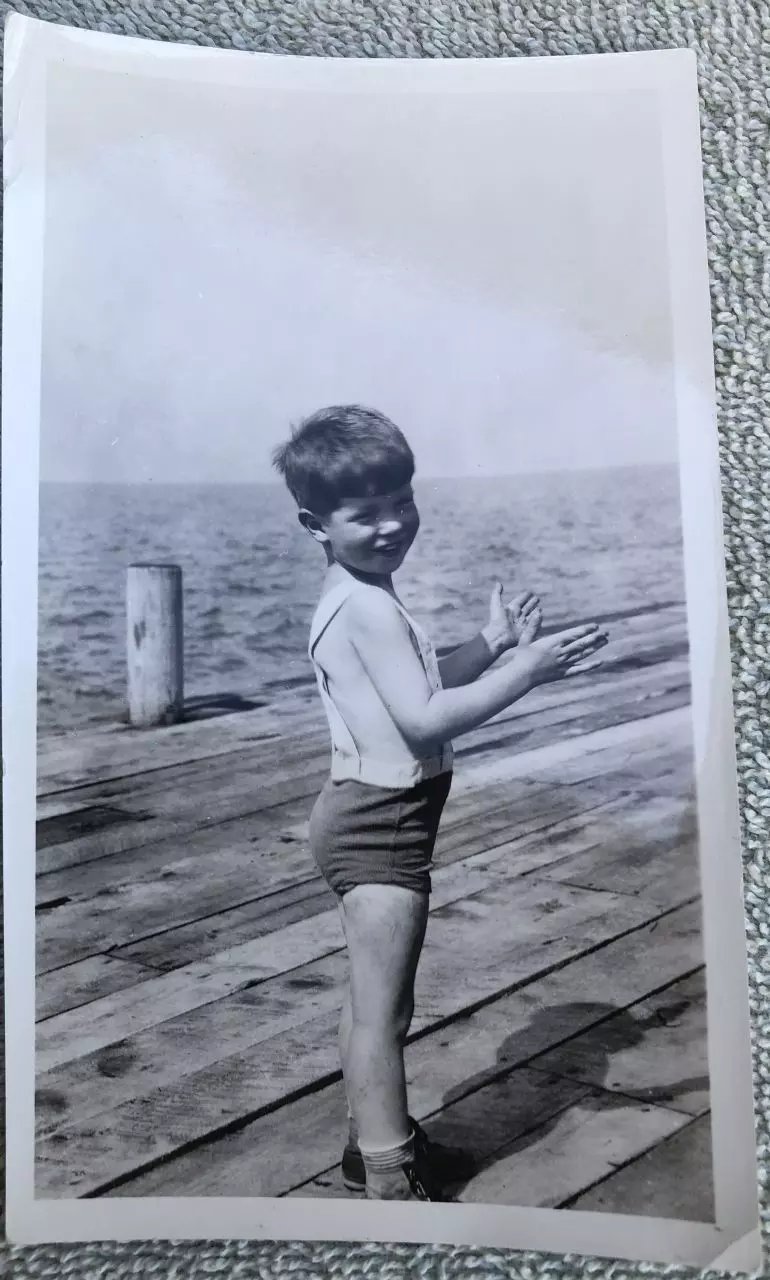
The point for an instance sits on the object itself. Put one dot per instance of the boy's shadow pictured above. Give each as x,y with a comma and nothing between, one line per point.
497,1112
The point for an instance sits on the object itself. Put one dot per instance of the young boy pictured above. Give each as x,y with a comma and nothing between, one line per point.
393,710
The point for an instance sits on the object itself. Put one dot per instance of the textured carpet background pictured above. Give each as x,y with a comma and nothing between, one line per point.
732,39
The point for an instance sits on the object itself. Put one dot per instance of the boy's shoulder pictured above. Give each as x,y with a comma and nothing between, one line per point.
372,614
361,609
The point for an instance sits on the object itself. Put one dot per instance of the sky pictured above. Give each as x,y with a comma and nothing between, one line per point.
489,271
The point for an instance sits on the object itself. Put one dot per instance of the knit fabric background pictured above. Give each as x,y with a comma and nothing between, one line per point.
732,40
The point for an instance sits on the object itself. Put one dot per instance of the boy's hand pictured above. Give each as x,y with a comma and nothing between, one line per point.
509,622
553,657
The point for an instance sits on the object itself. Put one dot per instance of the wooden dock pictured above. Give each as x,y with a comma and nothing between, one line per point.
191,962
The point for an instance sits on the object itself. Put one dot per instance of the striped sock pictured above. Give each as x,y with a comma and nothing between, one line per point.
388,1159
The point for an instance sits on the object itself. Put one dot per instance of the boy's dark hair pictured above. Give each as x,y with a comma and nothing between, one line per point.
345,451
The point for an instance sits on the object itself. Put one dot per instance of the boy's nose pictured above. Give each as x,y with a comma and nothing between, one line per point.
388,527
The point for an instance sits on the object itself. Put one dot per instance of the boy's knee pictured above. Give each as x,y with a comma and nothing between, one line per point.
383,1020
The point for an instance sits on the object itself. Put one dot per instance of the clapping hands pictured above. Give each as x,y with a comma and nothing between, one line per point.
508,623
517,625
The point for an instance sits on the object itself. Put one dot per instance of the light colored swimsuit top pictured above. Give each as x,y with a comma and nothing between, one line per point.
347,761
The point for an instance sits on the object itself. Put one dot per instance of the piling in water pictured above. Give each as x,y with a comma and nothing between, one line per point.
155,645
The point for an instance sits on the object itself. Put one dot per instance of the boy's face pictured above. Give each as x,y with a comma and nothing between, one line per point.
372,535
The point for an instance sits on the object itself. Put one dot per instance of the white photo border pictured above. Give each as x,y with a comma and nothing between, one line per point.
670,76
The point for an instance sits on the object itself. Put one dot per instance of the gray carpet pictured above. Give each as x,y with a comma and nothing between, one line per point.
732,38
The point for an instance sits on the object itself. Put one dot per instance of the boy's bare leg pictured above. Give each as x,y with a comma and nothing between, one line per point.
384,929
346,1024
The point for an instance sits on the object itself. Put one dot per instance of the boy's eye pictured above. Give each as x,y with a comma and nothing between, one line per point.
370,515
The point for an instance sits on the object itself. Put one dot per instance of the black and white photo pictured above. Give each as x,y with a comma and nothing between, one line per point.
371,835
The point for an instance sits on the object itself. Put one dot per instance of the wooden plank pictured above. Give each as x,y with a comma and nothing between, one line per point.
648,648
83,1154
60,805
604,835
180,893
96,827
273,812
506,940
673,1180
186,943
634,830
514,1104
95,919
585,754
111,751
673,673
118,1017
89,825
157,998
649,848
652,768
655,1052
555,733
579,696
247,758
260,796
80,983
551,824
93,756
289,747
81,878
175,810
197,800
658,874
530,932
111,903
442,1066
167,997
515,1029
79,1158
667,742
554,1161
600,826
261,1159
185,816
285,823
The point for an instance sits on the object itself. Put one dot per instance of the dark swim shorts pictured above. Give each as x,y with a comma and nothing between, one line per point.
362,834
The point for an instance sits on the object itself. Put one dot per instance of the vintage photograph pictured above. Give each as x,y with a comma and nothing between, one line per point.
370,843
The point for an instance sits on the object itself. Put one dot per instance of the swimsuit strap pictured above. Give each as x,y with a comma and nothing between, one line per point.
330,605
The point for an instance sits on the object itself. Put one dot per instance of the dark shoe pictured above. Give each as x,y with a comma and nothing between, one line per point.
447,1164
409,1182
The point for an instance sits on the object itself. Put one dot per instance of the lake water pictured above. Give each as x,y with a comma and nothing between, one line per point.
589,543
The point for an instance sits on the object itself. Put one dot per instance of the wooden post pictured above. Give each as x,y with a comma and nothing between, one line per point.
155,644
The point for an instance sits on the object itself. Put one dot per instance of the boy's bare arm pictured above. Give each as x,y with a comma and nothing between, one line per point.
506,622
466,663
381,638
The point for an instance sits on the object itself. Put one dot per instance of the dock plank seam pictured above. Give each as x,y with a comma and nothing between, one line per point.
626,1164
330,1078
456,830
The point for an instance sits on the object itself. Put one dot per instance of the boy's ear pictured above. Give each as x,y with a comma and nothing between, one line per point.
313,524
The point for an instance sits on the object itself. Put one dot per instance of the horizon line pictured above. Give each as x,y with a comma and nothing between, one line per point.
277,482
